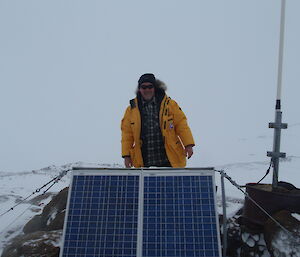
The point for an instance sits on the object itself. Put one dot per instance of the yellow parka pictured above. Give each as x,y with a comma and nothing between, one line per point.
175,132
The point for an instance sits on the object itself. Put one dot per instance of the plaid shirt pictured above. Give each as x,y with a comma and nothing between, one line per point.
154,153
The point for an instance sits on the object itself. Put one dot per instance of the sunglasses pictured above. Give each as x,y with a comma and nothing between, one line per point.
145,87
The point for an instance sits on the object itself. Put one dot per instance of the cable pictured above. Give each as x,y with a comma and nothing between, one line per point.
3,230
58,178
268,171
54,180
261,208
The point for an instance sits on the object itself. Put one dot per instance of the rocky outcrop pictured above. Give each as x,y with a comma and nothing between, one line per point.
253,244
243,241
283,242
42,234
33,225
36,244
52,217
271,240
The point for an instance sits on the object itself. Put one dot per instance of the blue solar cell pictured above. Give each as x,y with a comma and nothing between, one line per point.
171,215
179,216
97,205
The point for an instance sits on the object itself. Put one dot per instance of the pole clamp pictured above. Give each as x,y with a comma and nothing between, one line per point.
276,154
278,125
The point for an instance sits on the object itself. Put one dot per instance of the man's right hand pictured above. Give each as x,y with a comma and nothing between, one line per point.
127,162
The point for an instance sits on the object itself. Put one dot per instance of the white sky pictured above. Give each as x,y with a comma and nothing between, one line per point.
69,68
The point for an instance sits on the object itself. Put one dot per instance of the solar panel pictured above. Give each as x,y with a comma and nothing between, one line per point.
149,212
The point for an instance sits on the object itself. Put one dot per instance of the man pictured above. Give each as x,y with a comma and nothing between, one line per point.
154,128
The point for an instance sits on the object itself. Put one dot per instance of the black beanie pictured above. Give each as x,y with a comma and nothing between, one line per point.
148,77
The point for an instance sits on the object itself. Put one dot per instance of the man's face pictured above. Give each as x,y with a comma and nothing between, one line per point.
147,91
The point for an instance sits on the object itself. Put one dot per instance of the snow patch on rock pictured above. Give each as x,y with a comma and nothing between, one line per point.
296,216
52,216
286,245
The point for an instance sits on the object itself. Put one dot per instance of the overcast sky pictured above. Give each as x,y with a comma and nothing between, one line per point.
69,68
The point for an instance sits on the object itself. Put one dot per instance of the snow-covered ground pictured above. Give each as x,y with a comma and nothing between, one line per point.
15,186
252,172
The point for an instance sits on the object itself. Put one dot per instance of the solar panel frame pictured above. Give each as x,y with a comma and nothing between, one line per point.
189,173
77,174
142,174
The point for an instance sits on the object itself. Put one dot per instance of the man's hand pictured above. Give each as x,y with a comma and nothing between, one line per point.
189,151
127,162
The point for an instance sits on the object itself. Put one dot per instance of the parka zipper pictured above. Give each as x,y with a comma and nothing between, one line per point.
162,113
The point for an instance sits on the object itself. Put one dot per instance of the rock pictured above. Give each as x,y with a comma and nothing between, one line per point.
252,246
37,244
256,237
54,212
57,222
250,242
269,241
266,253
245,237
243,241
33,225
52,217
279,241
39,198
234,241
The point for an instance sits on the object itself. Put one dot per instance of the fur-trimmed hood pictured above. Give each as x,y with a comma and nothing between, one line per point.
160,86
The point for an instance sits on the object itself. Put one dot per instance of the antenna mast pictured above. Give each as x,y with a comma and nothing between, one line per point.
278,125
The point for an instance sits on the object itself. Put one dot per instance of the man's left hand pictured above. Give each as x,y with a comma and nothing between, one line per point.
189,151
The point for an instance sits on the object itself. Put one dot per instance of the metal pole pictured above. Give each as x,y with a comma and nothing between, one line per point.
278,125
280,58
224,216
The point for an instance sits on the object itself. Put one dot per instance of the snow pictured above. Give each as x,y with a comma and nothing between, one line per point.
266,254
261,240
296,216
255,237
52,216
250,242
245,237
286,245
252,172
16,186
57,242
